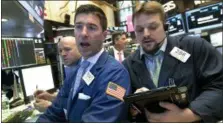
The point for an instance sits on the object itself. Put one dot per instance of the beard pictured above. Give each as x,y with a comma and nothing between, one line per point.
152,49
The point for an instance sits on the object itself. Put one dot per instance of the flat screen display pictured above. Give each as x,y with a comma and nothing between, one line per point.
204,18
39,77
176,25
20,52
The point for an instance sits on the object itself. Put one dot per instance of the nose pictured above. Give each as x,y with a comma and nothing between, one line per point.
146,32
84,31
63,53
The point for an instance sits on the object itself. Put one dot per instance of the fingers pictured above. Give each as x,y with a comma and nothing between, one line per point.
37,92
168,106
41,96
133,112
153,117
44,95
39,107
42,103
143,89
38,100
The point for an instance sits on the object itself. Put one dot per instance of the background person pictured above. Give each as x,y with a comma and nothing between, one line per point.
70,55
119,40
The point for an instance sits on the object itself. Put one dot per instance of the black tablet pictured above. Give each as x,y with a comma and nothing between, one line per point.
150,99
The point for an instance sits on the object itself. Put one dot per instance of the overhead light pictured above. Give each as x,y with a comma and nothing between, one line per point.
4,20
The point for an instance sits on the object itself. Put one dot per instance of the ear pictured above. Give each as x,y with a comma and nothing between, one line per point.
115,42
105,33
166,26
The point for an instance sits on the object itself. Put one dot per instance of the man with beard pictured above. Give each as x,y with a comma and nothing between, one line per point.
188,61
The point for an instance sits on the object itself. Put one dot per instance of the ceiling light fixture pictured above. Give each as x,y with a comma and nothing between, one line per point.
4,20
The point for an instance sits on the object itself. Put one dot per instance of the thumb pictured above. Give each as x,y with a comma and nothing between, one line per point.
168,106
39,100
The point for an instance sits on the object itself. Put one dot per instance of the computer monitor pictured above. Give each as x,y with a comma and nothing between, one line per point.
39,51
20,52
39,77
17,52
176,25
204,18
216,39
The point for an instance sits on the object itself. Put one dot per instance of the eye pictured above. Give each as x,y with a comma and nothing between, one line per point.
67,49
153,27
139,30
60,51
92,27
78,27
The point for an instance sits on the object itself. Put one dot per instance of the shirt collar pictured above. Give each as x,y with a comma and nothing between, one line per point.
116,51
162,48
94,59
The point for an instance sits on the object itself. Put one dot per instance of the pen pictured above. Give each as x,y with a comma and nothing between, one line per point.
134,107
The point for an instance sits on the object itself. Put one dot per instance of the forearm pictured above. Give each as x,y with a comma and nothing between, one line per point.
208,105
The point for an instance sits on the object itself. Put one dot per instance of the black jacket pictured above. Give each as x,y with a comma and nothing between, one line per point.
202,73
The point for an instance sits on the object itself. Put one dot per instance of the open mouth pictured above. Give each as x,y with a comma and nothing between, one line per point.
84,45
147,41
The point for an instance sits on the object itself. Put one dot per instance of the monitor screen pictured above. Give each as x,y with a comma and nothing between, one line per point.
176,25
39,77
39,51
204,18
19,52
216,39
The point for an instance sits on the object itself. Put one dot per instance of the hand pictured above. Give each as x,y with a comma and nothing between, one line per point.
41,105
133,109
172,114
142,89
40,94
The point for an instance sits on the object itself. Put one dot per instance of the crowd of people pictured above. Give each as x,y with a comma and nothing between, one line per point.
97,80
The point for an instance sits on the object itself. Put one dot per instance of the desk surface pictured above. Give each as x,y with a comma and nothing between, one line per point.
32,118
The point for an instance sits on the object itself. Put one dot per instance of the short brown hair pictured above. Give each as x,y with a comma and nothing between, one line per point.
92,9
117,35
150,7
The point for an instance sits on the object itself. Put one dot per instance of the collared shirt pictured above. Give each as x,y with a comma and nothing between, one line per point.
116,52
150,59
93,59
162,48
